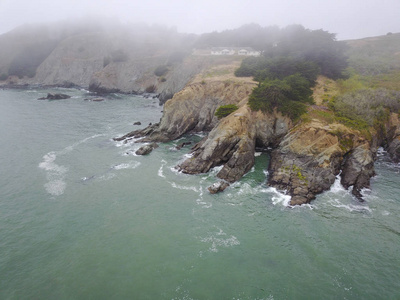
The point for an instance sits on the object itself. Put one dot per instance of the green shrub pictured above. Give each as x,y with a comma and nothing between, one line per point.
288,96
151,89
161,70
225,110
3,77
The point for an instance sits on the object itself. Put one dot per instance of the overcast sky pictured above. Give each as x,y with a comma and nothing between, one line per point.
347,18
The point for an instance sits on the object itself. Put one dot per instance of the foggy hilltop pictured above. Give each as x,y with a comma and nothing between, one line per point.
108,56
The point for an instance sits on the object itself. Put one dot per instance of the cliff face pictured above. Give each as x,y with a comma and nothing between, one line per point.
232,143
73,61
305,160
309,158
193,108
104,57
137,76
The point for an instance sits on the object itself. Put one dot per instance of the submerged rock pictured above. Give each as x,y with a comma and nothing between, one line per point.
55,97
181,145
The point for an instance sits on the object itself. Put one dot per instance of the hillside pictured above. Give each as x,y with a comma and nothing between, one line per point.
339,134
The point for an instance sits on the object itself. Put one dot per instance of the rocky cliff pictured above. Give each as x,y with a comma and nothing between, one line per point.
305,160
99,56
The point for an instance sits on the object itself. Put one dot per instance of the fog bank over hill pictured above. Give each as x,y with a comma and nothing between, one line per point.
349,19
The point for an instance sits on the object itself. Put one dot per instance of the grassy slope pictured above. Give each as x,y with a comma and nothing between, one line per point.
373,63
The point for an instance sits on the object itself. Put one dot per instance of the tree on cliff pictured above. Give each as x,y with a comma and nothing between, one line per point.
297,50
288,95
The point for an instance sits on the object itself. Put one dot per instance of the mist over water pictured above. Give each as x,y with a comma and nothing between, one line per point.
82,217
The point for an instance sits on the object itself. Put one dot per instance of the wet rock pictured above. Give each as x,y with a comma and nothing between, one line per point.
55,97
357,170
232,144
137,123
307,161
181,145
146,149
218,187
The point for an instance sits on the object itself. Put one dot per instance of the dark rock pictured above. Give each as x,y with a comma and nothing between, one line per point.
394,149
146,149
55,97
181,145
98,99
218,187
358,168
137,123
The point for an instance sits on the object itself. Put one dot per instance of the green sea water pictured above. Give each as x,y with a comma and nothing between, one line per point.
82,217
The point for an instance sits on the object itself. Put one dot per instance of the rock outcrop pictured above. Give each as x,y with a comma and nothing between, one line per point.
305,160
309,158
233,141
192,109
55,97
393,143
146,149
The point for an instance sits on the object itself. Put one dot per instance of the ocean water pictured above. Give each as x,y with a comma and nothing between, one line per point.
82,217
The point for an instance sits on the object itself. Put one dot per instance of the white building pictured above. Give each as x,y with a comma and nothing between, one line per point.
247,51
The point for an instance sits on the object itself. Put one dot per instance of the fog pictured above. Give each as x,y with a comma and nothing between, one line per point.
347,18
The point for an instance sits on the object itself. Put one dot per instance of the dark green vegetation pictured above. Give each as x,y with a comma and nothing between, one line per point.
288,70
372,90
225,110
161,70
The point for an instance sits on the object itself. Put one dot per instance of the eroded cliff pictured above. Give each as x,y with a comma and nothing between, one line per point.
306,159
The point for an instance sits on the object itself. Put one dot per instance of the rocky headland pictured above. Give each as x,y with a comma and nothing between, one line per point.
306,156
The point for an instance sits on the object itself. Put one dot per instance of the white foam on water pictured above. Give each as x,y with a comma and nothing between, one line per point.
220,239
49,165
188,155
381,152
337,187
106,177
256,154
161,169
278,197
54,174
126,143
182,187
129,165
214,171
176,171
201,134
73,146
350,207
339,197
55,187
